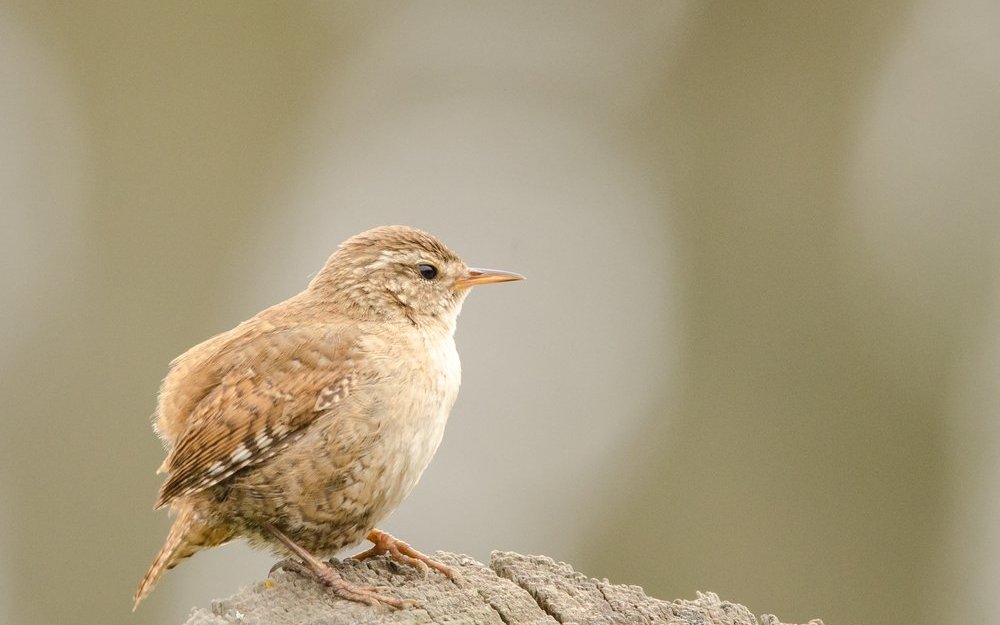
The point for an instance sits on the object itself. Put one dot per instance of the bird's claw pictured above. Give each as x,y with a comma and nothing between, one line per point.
290,564
402,552
361,594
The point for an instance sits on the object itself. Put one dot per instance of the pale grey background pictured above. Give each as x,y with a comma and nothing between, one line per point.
758,346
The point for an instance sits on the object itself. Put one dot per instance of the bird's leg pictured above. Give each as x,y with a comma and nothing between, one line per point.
386,543
330,577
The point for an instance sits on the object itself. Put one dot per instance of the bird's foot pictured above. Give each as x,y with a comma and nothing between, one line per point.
330,578
386,543
362,594
311,566
290,564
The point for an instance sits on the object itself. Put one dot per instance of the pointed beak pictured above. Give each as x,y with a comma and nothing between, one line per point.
476,277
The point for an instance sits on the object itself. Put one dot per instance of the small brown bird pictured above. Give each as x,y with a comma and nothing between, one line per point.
305,426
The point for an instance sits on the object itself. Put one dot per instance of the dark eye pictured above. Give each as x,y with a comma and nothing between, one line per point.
427,272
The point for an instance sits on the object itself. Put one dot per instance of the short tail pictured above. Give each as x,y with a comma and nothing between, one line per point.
187,536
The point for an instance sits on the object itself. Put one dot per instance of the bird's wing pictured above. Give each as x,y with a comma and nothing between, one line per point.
270,388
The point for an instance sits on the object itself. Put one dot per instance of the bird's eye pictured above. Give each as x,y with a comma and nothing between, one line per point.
427,272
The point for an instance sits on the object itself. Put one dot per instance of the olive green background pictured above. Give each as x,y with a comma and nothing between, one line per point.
756,353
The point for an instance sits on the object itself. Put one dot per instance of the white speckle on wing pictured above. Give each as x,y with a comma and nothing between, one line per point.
240,454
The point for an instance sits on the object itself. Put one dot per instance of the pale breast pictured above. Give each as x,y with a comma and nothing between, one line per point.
417,412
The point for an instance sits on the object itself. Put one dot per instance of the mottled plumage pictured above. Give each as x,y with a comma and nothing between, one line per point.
306,425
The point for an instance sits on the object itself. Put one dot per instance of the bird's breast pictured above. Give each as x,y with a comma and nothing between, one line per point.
420,391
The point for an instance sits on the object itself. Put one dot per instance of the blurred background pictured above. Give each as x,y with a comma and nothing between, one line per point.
757,351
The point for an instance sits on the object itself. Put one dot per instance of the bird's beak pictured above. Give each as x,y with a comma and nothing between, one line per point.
476,277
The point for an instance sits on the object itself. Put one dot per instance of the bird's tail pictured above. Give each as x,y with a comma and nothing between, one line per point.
188,535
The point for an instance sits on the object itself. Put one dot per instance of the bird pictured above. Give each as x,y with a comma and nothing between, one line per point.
305,426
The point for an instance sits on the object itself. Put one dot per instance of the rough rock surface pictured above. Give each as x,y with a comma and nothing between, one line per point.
513,590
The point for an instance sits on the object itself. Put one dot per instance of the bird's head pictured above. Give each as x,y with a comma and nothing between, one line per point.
400,273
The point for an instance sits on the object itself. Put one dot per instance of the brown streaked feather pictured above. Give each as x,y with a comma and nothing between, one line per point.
270,387
192,375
